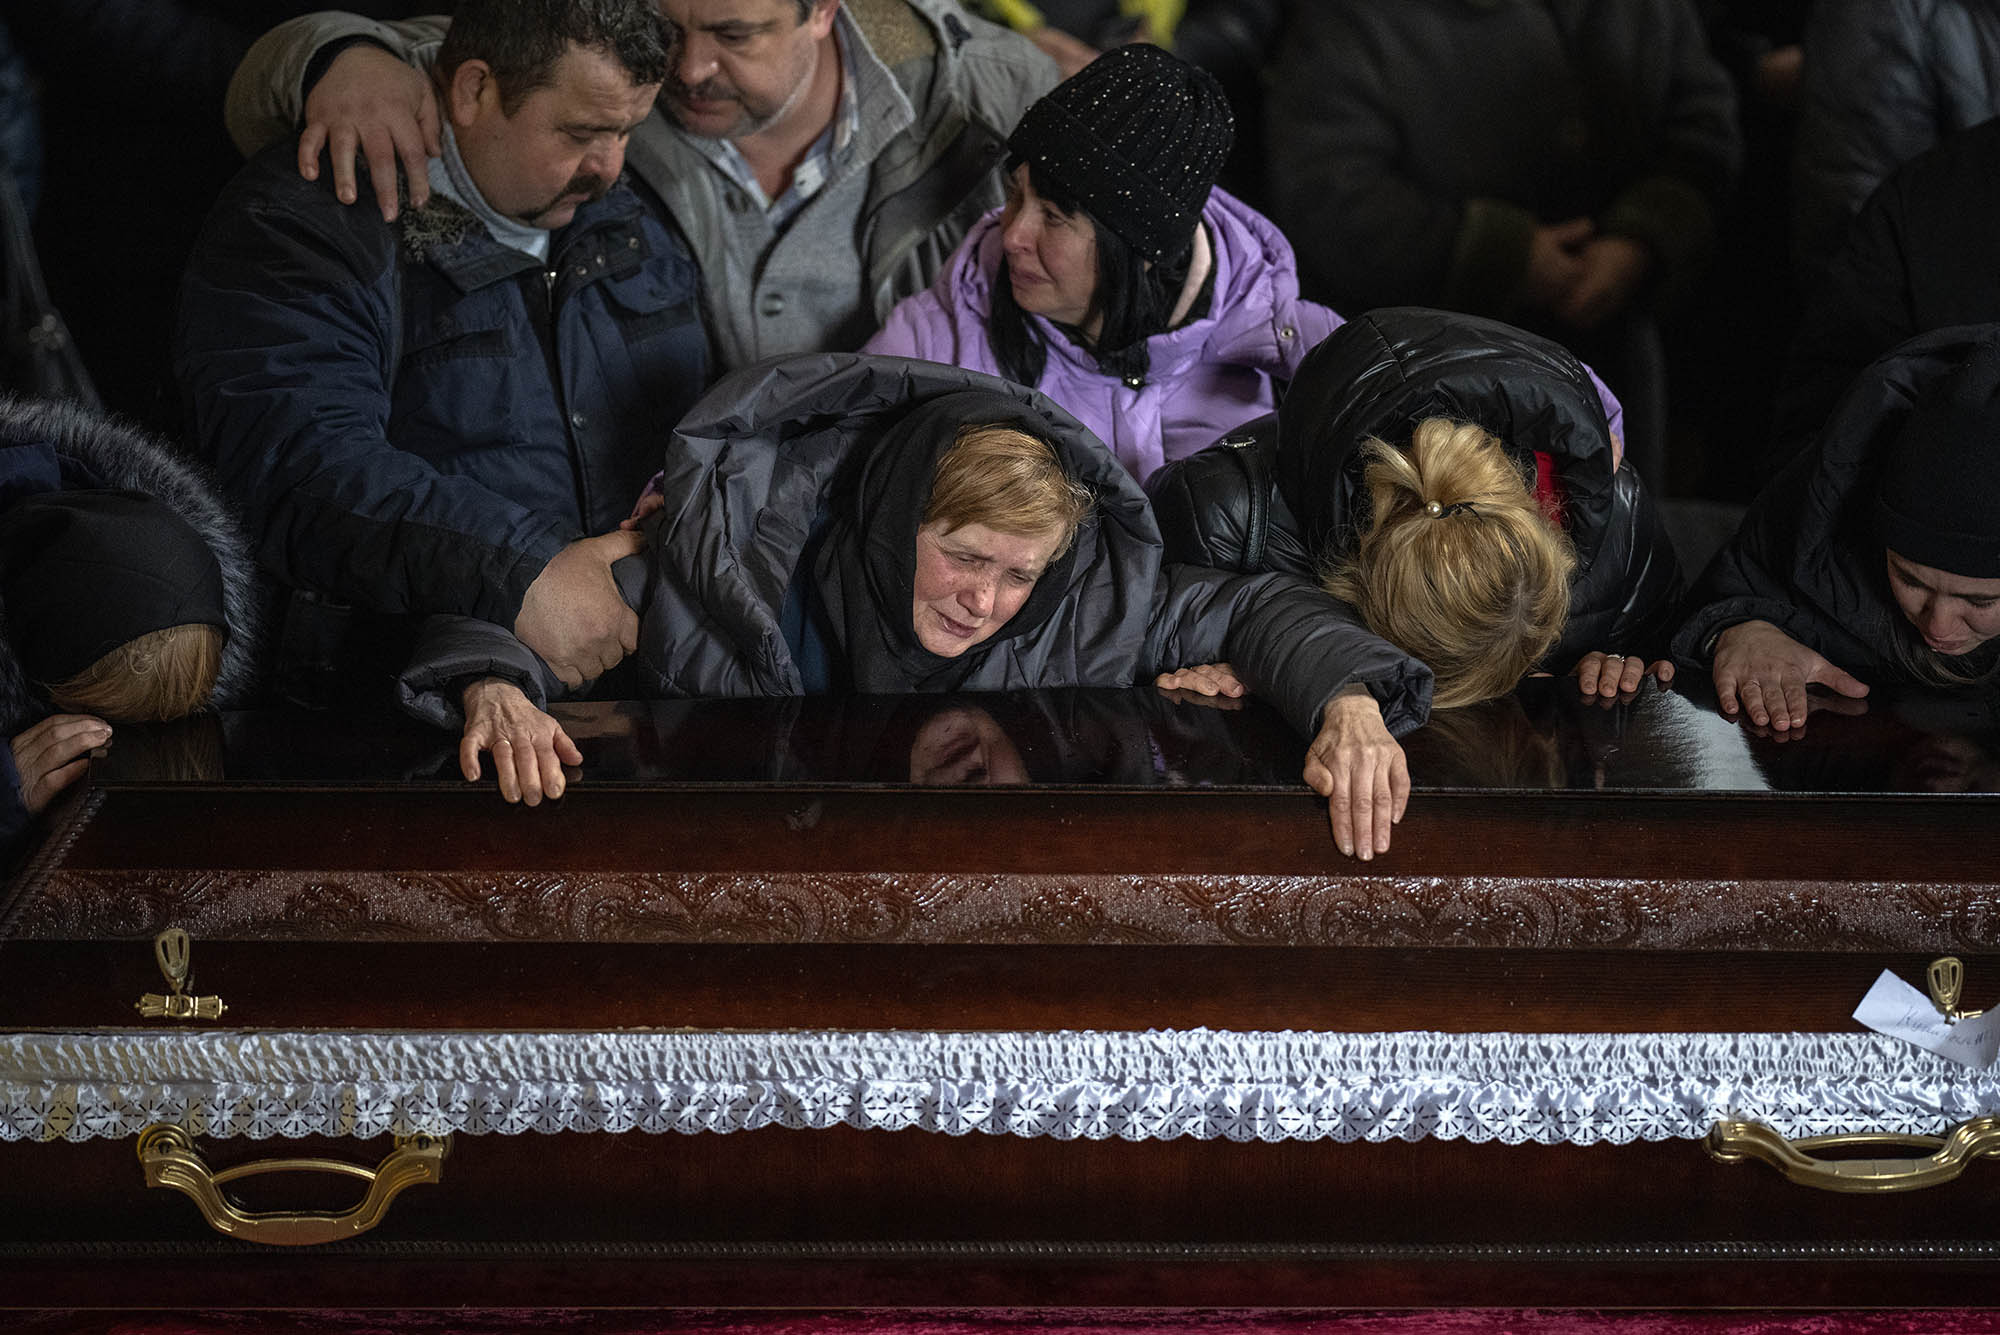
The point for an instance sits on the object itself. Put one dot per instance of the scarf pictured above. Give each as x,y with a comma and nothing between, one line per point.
866,569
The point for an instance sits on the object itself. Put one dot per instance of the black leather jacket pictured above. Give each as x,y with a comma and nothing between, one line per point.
1285,493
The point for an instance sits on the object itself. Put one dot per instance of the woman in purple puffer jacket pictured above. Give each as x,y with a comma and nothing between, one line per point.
1158,310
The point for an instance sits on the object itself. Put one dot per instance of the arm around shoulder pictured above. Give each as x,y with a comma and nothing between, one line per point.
267,96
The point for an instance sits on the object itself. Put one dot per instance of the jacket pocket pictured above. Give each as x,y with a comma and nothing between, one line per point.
448,343
646,305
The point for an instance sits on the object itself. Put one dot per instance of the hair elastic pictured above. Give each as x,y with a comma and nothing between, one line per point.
1439,510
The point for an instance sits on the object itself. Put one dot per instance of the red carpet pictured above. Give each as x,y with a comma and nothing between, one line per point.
1004,1322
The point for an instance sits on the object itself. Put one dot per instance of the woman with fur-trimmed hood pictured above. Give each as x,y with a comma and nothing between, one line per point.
127,594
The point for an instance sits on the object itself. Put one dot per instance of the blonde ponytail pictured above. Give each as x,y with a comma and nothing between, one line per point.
1458,566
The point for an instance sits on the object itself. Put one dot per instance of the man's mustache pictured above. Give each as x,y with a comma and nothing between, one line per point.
588,184
709,91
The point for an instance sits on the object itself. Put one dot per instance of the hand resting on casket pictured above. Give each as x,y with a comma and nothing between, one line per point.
1204,679
1763,673
55,753
529,748
1360,769
1612,677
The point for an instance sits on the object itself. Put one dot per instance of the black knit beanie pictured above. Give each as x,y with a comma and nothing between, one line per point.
82,572
1136,137
1939,499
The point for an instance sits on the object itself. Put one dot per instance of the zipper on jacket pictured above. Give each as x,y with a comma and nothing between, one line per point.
552,361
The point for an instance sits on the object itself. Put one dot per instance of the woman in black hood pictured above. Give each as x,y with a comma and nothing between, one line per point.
811,537
127,594
1876,552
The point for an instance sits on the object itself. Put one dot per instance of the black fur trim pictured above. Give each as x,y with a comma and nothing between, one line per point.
134,460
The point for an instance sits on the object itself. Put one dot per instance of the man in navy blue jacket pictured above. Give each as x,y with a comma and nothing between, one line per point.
452,412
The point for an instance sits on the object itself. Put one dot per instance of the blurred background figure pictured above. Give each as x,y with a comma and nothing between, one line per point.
1884,80
132,94
1721,342
1558,164
37,357
1231,39
20,123
1918,258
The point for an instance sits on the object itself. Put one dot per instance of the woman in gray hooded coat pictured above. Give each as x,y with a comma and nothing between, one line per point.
798,550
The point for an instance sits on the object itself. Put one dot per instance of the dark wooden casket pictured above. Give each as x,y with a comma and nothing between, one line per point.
786,1003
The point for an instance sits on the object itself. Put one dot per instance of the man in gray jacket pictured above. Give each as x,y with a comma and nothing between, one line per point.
823,157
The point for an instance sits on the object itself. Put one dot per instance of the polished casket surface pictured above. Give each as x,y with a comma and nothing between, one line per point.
1015,998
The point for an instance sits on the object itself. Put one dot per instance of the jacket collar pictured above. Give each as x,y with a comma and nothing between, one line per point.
452,241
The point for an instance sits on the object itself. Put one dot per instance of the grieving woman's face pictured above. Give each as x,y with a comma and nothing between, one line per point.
1051,256
1954,614
971,580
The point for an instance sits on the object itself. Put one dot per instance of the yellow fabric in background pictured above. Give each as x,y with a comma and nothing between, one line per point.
1161,16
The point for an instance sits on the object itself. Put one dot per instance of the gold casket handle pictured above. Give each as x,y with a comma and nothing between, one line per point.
168,1155
1733,1141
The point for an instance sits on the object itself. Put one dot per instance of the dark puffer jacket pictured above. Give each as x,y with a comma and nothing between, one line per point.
1884,80
1287,494
47,447
415,417
767,476
1807,558
1919,257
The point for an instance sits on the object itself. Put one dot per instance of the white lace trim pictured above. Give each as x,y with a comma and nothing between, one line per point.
1550,1089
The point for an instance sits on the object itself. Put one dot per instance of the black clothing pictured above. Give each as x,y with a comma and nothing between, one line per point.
867,560
49,449
1809,556
1417,144
141,80
415,416
1919,257
1950,434
1884,79
85,571
1136,138
1288,494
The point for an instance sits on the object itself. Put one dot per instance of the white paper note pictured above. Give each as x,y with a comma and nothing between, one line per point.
1895,1008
